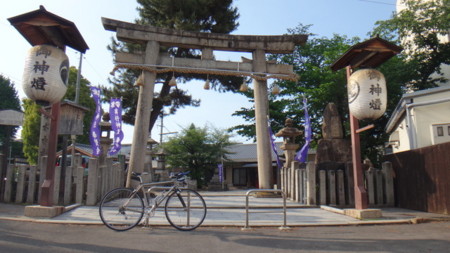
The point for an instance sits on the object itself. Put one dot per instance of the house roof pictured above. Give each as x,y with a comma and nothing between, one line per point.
407,99
247,152
86,149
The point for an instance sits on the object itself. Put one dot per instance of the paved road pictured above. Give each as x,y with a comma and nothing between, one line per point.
17,236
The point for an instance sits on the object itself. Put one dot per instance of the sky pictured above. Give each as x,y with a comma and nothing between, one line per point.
257,17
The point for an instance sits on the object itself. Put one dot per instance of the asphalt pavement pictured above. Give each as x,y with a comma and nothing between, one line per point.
228,209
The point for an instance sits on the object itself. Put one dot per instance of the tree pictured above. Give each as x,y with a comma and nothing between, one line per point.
320,85
418,28
30,130
215,16
197,150
8,100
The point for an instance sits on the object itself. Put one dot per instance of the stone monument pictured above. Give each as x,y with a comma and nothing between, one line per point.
333,150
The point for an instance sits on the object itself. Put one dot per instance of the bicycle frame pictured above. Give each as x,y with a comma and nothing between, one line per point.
147,188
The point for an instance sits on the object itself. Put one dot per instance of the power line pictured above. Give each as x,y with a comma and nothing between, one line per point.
376,2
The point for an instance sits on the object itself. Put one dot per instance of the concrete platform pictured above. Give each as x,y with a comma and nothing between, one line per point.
228,209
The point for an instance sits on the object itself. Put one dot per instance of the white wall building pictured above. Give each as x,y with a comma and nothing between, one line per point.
421,119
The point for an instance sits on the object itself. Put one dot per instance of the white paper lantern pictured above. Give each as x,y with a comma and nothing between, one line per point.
45,75
367,94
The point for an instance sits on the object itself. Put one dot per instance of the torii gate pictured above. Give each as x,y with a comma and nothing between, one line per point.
152,62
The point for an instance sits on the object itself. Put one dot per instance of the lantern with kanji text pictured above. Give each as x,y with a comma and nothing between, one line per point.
367,95
46,74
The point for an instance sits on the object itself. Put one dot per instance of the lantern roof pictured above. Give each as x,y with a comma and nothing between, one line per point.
70,104
42,27
367,54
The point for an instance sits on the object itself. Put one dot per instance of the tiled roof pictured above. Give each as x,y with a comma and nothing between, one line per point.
247,152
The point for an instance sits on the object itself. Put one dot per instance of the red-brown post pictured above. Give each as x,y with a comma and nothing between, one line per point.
46,198
360,191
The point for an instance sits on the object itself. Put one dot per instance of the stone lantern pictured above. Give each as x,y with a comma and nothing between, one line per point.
289,146
149,154
105,138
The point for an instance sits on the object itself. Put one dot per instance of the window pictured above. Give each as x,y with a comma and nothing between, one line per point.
239,176
440,131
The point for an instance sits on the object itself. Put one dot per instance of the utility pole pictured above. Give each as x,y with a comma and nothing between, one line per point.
77,87
77,100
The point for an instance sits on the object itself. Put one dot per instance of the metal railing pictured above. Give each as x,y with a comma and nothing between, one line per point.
284,226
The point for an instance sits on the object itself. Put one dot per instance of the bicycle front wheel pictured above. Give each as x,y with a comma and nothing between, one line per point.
121,209
185,209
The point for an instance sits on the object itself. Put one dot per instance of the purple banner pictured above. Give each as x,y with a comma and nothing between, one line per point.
274,148
95,125
220,166
303,153
115,114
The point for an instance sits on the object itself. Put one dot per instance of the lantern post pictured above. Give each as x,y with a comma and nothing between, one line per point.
368,54
45,79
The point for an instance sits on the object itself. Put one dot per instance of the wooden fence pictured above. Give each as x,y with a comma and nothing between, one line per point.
422,178
311,186
74,185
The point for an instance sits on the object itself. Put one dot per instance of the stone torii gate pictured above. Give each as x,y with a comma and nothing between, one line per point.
152,62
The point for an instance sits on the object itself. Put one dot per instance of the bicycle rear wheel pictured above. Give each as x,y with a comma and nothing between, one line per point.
121,209
185,209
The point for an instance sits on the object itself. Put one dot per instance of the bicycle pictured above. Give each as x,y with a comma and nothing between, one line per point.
122,209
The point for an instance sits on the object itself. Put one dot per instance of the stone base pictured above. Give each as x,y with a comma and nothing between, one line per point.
43,211
364,213
267,195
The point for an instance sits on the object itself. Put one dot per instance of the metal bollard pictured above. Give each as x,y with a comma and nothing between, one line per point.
284,226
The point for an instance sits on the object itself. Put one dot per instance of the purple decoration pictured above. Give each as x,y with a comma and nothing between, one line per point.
115,113
220,166
95,125
274,148
303,153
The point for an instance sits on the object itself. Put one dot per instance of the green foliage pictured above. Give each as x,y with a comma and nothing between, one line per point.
30,130
190,15
197,150
418,28
84,100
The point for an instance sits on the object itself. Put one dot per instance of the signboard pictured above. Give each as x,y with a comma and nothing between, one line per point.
11,118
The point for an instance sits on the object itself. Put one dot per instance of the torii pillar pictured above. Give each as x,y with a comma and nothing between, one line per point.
143,110
152,63
263,153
